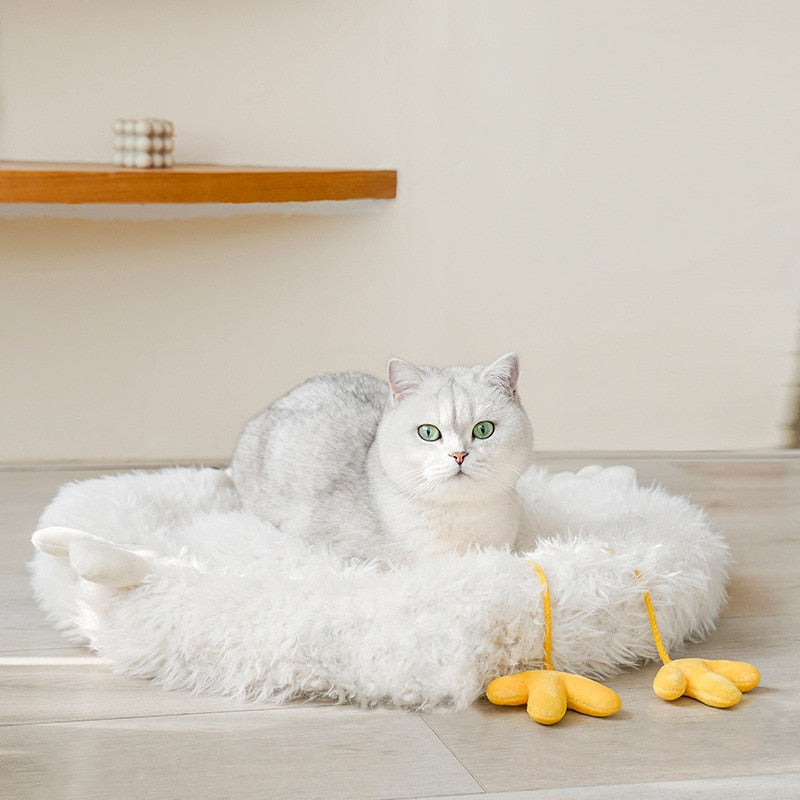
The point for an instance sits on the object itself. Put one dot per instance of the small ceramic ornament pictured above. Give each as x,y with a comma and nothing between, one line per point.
143,143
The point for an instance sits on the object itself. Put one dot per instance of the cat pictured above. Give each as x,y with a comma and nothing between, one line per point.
423,465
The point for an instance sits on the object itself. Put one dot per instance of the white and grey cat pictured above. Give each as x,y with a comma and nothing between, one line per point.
423,465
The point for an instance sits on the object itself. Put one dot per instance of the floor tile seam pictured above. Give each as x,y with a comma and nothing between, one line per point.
523,794
528,794
39,652
731,617
139,717
454,755
672,783
479,794
20,659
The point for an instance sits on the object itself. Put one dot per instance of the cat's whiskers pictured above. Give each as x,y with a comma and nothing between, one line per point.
415,484
505,479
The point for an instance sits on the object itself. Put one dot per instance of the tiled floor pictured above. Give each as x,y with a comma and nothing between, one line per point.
69,728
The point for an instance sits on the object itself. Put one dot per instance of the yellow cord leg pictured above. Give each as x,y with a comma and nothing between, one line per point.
548,693
718,684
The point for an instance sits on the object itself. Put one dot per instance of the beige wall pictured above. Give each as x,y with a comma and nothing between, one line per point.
610,188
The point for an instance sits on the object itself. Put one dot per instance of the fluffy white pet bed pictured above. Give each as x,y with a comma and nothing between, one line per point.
199,595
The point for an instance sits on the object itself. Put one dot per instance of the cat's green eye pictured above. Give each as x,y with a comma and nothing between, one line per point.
430,433
483,430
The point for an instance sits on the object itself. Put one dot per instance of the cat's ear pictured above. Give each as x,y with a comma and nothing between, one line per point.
404,378
504,373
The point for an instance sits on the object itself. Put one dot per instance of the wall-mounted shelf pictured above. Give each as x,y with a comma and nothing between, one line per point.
44,182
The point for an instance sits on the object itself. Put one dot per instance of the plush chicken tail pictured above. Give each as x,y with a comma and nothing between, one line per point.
92,558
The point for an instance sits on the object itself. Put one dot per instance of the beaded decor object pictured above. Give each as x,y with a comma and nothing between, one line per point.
143,143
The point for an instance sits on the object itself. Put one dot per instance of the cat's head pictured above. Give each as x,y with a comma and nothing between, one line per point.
456,433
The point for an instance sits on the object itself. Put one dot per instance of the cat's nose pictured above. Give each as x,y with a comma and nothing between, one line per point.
460,456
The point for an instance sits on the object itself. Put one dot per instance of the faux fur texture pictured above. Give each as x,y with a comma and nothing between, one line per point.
223,603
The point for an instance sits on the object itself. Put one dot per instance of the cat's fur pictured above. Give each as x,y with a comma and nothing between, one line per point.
339,460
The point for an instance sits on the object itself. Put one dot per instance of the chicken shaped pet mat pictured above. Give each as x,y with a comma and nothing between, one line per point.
166,577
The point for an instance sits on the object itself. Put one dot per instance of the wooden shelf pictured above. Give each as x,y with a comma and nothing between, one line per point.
42,182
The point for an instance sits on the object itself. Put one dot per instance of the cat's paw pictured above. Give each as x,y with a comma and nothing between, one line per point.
92,558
